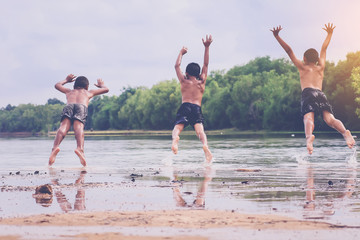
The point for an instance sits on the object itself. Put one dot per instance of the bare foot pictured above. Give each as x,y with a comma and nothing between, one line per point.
53,154
80,180
174,146
208,154
81,156
309,143
349,139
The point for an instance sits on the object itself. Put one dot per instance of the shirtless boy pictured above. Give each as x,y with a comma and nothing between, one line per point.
313,100
192,90
75,112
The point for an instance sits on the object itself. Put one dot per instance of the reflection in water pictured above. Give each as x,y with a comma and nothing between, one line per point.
350,184
331,205
310,195
199,201
65,205
43,195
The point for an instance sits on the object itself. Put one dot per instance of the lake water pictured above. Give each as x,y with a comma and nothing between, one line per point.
141,173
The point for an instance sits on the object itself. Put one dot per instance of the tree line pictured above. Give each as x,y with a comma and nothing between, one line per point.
263,94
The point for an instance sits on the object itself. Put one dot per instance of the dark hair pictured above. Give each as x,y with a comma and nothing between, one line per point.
81,82
193,69
311,55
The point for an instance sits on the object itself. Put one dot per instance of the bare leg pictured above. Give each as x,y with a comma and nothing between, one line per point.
199,129
79,136
179,200
310,191
80,195
53,155
175,137
309,128
339,126
60,135
200,198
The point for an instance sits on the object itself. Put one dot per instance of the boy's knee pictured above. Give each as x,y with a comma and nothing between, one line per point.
199,132
329,120
178,128
62,132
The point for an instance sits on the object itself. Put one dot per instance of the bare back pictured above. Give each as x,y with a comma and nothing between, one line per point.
311,76
79,96
192,90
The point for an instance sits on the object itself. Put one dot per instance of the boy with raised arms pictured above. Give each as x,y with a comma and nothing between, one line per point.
311,71
192,91
75,112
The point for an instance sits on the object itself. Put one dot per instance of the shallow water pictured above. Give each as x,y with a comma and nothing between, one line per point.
322,187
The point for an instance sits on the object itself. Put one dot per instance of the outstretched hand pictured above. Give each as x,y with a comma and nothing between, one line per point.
183,50
276,30
70,78
100,83
208,41
329,28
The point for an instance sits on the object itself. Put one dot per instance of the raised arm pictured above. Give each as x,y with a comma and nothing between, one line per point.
286,47
101,88
179,74
329,29
204,70
60,85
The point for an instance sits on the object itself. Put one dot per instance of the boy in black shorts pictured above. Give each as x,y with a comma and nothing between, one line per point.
192,90
75,112
311,72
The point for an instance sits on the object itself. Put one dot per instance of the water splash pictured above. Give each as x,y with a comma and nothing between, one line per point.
208,164
303,159
168,160
351,160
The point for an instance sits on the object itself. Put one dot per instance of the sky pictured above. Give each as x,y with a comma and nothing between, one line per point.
131,43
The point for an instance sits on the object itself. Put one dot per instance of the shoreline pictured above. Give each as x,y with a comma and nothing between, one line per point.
187,132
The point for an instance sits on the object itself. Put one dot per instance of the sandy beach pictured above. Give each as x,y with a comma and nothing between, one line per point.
175,218
184,219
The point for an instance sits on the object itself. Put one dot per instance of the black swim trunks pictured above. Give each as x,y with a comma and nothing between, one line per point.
75,112
314,100
189,113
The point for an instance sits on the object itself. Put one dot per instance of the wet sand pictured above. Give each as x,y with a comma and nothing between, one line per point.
184,219
107,236
171,218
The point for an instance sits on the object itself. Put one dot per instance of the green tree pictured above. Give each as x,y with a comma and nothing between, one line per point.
262,94
281,105
130,113
53,101
216,100
161,105
355,77
339,90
